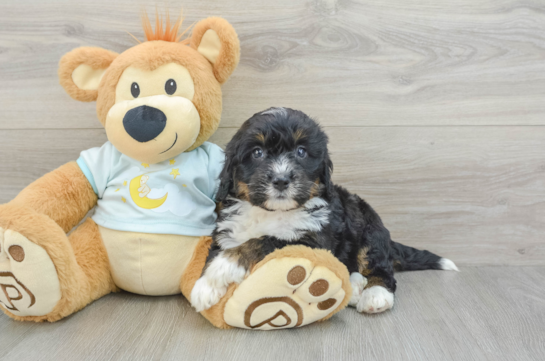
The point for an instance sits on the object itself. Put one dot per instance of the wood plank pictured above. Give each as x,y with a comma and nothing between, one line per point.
473,194
350,63
482,313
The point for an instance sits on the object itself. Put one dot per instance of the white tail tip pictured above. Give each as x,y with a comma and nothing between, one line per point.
447,265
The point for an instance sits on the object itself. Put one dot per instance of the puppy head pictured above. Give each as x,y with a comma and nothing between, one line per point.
277,160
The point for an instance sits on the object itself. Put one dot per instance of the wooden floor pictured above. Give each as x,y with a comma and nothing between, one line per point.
482,313
436,115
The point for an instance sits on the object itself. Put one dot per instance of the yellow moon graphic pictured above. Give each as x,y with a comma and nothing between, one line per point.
144,202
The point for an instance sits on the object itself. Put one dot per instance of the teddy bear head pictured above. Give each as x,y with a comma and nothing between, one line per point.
161,97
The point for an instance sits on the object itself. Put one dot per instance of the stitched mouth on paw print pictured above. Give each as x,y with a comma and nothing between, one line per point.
280,318
13,290
293,292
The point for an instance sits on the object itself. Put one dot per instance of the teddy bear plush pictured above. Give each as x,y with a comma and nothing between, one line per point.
152,186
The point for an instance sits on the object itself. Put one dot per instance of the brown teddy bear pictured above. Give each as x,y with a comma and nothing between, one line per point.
153,184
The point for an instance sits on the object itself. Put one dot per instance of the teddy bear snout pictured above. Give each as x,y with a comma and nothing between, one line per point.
144,123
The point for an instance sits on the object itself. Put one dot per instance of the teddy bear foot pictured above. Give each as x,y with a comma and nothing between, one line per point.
291,287
29,284
292,292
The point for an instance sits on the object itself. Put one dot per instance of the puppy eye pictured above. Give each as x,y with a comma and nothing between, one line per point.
135,90
257,153
301,152
170,86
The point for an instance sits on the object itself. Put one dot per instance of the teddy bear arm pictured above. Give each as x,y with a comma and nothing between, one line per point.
65,195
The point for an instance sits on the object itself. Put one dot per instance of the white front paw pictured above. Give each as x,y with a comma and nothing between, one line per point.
358,283
204,295
375,299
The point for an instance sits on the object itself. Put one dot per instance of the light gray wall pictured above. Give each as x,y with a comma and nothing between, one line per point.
435,110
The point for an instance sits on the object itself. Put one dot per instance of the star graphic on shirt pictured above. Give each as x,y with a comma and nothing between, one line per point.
175,172
145,165
123,199
172,161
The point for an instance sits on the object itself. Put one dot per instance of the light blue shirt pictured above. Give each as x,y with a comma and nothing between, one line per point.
172,197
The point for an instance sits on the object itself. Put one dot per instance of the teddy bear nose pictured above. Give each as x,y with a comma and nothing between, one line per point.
144,123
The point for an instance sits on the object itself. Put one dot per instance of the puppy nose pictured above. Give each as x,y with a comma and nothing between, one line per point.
281,183
144,123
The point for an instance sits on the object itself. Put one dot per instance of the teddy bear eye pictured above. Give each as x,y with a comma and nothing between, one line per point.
170,86
135,90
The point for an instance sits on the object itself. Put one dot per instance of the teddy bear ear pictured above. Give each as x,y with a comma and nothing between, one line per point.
81,70
216,40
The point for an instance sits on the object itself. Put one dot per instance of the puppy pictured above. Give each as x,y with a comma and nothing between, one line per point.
275,191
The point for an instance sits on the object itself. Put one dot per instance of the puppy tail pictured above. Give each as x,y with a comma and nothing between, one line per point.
411,259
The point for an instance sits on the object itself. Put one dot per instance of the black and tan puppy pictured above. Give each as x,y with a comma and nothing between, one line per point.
275,191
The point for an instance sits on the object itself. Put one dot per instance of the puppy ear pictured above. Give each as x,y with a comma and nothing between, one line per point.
81,70
226,179
325,178
218,42
232,160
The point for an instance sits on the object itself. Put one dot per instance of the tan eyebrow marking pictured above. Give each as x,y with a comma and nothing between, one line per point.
261,137
299,133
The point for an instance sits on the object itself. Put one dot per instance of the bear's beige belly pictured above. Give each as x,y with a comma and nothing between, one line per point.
148,264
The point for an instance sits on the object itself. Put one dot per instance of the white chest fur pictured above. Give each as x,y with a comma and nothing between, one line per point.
243,222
